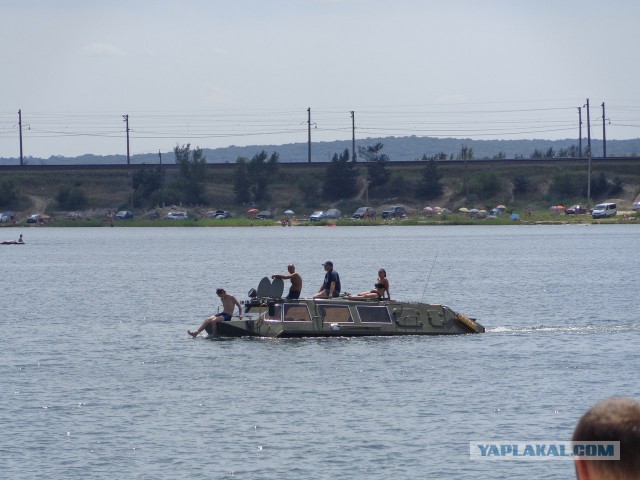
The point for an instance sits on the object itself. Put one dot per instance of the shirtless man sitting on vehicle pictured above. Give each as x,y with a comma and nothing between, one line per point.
228,305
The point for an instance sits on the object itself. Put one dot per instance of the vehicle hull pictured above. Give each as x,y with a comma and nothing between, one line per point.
279,318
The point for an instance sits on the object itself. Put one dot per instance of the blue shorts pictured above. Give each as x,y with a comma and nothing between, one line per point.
225,316
293,295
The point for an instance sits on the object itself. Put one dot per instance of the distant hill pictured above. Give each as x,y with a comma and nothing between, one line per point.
397,148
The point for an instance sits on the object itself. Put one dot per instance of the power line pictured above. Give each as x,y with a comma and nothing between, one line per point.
491,119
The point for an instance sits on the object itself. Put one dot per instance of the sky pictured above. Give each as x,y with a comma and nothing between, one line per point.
214,73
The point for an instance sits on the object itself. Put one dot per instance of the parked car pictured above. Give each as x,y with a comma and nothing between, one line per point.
74,216
122,214
220,214
176,216
396,211
6,217
576,210
35,218
316,216
364,212
603,210
333,213
264,214
636,203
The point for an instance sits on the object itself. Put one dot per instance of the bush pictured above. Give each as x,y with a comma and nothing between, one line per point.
616,188
567,184
486,184
520,183
71,198
8,192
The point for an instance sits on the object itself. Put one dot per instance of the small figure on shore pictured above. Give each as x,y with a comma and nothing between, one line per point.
20,240
381,287
228,306
331,286
296,282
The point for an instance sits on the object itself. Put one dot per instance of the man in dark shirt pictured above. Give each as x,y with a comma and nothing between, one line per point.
331,286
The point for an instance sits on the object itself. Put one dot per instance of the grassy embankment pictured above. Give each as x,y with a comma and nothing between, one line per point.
111,189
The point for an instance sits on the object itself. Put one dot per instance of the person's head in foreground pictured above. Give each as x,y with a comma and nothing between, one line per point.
613,420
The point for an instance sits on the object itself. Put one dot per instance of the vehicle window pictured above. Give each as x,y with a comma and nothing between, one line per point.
276,314
335,313
371,314
296,313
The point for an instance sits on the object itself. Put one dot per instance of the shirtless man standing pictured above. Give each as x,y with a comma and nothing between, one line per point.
296,282
228,303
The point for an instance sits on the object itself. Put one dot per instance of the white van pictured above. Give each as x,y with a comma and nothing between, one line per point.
603,210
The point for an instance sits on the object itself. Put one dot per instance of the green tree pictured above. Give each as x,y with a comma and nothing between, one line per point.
8,192
377,172
192,174
398,185
466,154
570,152
438,157
71,198
486,185
430,187
260,173
617,187
574,152
146,182
599,185
340,177
309,190
240,183
520,183
566,184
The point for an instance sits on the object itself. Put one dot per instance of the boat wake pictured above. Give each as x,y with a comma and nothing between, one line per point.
567,329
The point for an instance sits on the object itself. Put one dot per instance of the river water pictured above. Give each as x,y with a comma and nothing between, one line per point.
100,380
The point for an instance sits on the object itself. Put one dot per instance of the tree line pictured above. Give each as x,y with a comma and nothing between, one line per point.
344,178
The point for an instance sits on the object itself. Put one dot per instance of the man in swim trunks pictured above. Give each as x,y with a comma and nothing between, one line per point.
228,305
296,282
331,286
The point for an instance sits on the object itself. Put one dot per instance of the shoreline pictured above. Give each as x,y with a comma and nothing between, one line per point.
625,219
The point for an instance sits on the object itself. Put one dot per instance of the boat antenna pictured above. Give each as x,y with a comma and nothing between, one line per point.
429,277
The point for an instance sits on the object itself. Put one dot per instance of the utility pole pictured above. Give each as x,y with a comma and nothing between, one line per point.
126,121
20,129
132,189
353,135
161,178
579,132
464,152
589,149
309,130
604,134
